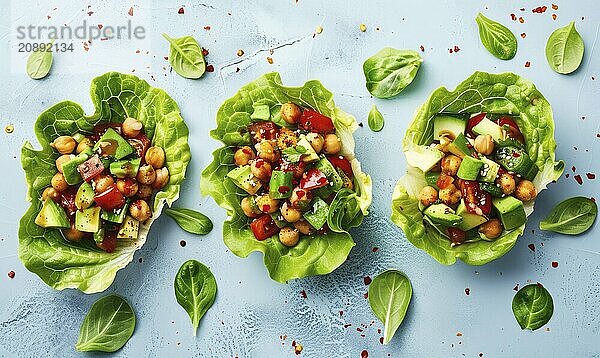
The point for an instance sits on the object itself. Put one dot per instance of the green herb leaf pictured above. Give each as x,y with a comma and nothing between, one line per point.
390,71
185,56
107,327
389,295
191,221
39,63
564,49
195,290
293,154
344,211
496,38
376,120
532,306
571,217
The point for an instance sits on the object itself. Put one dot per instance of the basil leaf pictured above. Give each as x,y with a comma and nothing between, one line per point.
376,120
185,56
564,49
39,63
390,71
293,154
195,290
191,221
532,306
571,217
389,296
107,327
496,38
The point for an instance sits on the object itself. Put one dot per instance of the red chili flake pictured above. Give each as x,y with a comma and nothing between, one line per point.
182,243
522,9
523,35
210,68
456,48
366,295
516,155
11,274
480,354
513,17
554,7
266,208
540,9
527,64
341,313
516,288
303,294
347,325
554,264
593,199
300,194
590,176
531,247
204,52
358,329
181,11
567,175
364,354
573,169
554,16
207,28
521,19
100,26
284,189
422,48
467,291
367,280
130,12
578,179
381,340
375,249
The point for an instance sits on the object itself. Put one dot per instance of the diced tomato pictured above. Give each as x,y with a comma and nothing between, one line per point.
264,227
313,179
109,243
457,236
316,122
66,199
472,122
297,168
263,131
140,143
110,199
100,129
342,163
90,168
444,180
512,129
477,201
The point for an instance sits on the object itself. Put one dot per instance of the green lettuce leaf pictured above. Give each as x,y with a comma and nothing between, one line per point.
62,264
314,255
505,93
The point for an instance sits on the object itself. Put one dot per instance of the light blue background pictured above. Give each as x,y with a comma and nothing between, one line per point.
252,314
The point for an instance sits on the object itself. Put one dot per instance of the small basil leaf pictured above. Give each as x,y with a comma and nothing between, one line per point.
390,71
190,220
571,217
533,306
185,56
376,120
564,49
496,38
39,63
389,295
195,290
107,327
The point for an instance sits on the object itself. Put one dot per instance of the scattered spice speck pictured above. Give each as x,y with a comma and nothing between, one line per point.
523,35
366,295
240,53
303,294
554,264
11,274
458,334
554,16
467,291
363,27
527,64
513,17
270,60
554,7
9,128
182,243
298,348
364,354
319,29
130,12
578,179
531,247
207,28
204,52
540,9
375,249
521,19
210,68
367,280
181,11
516,288
590,176
422,48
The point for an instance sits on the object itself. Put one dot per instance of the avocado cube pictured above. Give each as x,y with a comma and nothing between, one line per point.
309,155
469,168
317,217
332,175
489,170
280,186
117,216
88,220
511,211
261,112
85,196
442,214
125,168
488,127
278,220
111,144
423,157
469,220
444,124
52,216
461,147
72,175
129,228
99,236
244,179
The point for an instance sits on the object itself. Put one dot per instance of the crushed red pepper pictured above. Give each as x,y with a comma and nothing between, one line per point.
467,291
554,264
531,247
11,274
375,249
303,294
364,354
578,179
540,9
590,176
367,280
181,11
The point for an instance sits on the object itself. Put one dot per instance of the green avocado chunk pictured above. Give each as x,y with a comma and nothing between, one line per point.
317,217
489,170
488,127
99,236
280,185
431,178
129,228
309,155
85,196
332,175
88,220
70,172
125,168
469,168
52,216
517,160
446,124
511,211
423,157
116,217
111,144
470,220
461,147
244,179
442,214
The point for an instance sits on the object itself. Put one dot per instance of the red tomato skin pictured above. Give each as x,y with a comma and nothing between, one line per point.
475,198
472,122
514,130
264,227
342,163
140,143
110,199
263,131
316,122
66,199
313,179
444,180
90,168
109,243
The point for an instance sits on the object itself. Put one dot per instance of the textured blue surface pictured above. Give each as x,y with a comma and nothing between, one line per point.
252,315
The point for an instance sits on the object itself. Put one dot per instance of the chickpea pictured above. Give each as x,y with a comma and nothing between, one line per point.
64,144
316,141
332,144
155,156
506,183
289,237
525,190
146,174
300,198
131,127
491,229
102,183
428,195
49,193
445,140
247,208
484,144
62,160
289,213
83,145
73,234
304,227
290,113
140,210
243,155
450,164
450,195
261,169
162,178
266,204
59,183
266,151
127,187
144,191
